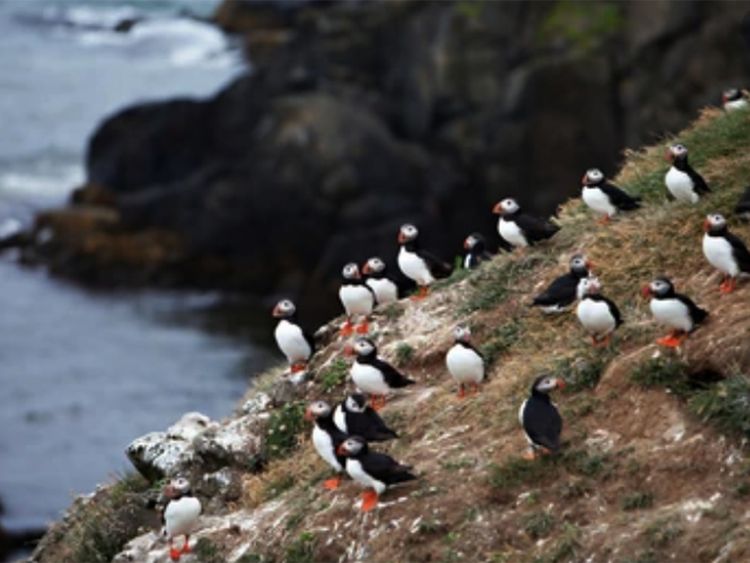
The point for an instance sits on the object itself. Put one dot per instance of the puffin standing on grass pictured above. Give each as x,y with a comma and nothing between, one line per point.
373,375
357,298
598,315
519,229
673,309
373,470
733,100
418,265
476,252
292,340
385,290
180,515
562,292
725,251
684,183
605,198
464,362
355,417
326,437
540,418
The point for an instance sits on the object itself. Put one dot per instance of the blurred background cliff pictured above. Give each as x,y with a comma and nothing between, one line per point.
237,151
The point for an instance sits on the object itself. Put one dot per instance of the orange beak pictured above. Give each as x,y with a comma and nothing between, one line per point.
498,209
466,244
590,265
585,178
277,312
706,225
560,383
366,268
724,98
349,350
646,290
401,238
309,416
668,156
341,450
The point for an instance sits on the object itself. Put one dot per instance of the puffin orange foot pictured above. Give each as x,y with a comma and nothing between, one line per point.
347,329
728,285
461,391
298,367
670,341
363,328
604,220
186,547
529,455
369,500
174,554
332,484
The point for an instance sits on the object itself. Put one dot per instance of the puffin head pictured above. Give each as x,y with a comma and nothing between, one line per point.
580,265
507,206
659,287
474,241
407,233
317,409
364,347
373,266
352,446
731,95
588,286
547,383
714,223
351,272
676,152
356,402
284,309
176,488
462,333
592,177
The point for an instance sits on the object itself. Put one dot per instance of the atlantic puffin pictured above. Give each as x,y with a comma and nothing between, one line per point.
180,515
417,264
519,229
385,290
373,375
598,315
357,298
733,99
465,363
296,344
355,417
725,251
605,198
673,309
684,183
375,471
476,251
742,209
326,437
561,293
540,419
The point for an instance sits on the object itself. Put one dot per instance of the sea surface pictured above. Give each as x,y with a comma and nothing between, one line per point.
83,373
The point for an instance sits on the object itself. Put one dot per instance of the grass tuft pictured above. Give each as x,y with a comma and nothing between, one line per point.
494,283
284,427
725,404
301,550
662,371
334,375
637,500
404,354
501,339
538,525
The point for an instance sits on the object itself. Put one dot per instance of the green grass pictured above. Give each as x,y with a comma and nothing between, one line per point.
637,500
301,550
662,532
583,371
538,525
393,312
334,374
284,427
725,404
278,486
495,282
662,371
590,464
404,354
566,548
516,471
501,339
207,551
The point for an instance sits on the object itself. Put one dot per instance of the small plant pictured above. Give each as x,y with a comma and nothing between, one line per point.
583,372
334,374
492,285
538,525
516,471
564,549
637,500
393,311
404,353
661,372
206,551
501,339
284,427
725,404
662,532
588,464
301,550
459,273
278,486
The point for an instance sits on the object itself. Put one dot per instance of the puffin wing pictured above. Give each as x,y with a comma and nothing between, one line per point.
543,423
386,469
561,291
393,377
699,184
534,228
377,429
619,198
614,310
697,314
437,267
740,252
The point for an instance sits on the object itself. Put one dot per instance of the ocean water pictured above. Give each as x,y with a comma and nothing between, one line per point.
83,373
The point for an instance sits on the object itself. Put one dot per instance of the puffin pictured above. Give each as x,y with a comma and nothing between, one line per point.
598,315
354,416
605,198
540,419
733,99
326,437
373,375
417,264
296,344
180,515
476,252
684,183
385,290
357,298
519,229
561,293
673,309
375,471
724,251
742,209
465,363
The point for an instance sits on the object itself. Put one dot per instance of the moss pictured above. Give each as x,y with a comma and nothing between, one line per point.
637,500
404,353
334,375
582,25
284,427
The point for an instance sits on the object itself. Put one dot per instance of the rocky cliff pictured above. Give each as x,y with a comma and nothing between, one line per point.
654,463
357,116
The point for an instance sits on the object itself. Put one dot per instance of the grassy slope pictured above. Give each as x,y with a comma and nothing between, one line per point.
645,475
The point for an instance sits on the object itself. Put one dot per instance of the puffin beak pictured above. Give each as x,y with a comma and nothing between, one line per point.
590,265
309,415
724,98
584,180
276,312
169,492
401,238
560,383
646,290
366,268
706,225
466,244
498,209
341,450
348,350
668,156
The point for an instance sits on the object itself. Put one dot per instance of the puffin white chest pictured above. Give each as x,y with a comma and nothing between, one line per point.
385,290
357,299
595,316
464,364
357,472
511,232
672,312
597,200
181,516
414,267
291,341
369,379
735,105
680,185
324,446
339,419
720,255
